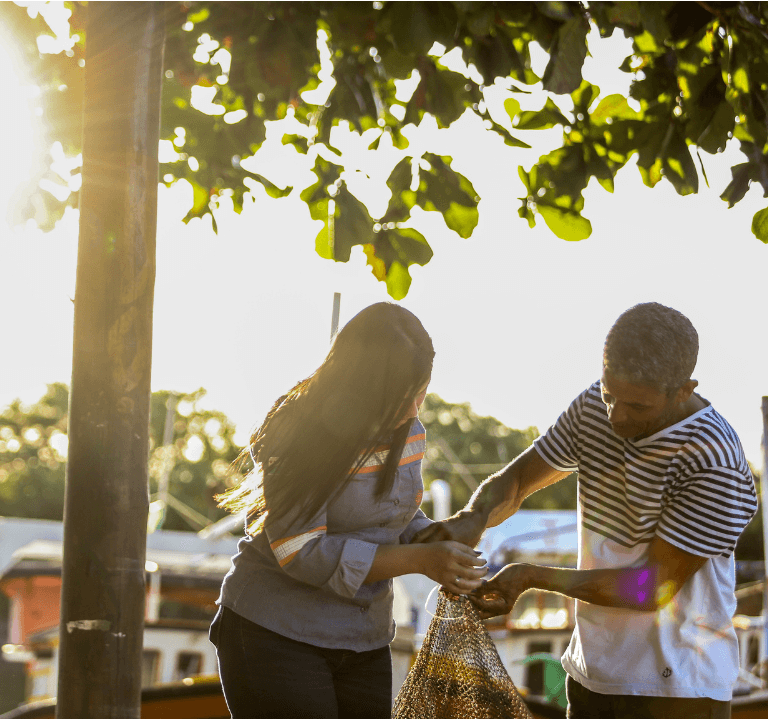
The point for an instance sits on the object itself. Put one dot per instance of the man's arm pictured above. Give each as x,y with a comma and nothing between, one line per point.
497,498
645,588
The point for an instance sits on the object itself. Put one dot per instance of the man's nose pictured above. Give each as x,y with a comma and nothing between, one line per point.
616,414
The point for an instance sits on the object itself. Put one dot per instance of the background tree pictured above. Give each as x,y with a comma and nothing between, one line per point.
699,82
197,454
33,453
464,448
196,460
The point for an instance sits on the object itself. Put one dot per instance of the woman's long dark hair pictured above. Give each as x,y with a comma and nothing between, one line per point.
317,436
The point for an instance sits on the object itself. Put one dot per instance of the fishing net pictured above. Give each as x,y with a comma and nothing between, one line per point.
458,673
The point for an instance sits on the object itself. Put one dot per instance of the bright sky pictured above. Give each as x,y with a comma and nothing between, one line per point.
517,316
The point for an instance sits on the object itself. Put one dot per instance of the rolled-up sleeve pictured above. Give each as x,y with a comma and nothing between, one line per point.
305,551
420,521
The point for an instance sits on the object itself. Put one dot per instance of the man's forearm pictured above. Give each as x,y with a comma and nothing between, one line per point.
498,497
626,588
501,495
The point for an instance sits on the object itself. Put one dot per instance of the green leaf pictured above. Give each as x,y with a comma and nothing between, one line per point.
739,185
415,26
583,96
555,10
760,225
526,213
398,281
563,72
679,165
272,190
411,245
509,139
391,253
614,107
324,241
528,178
352,224
495,54
647,43
653,16
547,117
512,107
200,200
651,176
461,219
566,225
445,96
300,143
740,80
200,16
377,265
443,190
396,64
625,13
715,135
401,176
598,168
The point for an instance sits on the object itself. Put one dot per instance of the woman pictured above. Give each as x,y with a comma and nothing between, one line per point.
305,617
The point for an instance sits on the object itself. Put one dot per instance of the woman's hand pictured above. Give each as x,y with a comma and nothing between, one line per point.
452,564
499,594
466,527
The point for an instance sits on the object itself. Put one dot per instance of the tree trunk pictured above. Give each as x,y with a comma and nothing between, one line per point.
106,501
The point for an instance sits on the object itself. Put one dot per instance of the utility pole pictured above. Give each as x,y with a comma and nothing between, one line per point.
335,314
106,501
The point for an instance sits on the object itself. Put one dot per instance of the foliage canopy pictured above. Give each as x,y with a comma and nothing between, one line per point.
699,82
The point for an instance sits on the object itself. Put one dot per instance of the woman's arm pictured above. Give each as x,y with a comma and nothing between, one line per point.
453,565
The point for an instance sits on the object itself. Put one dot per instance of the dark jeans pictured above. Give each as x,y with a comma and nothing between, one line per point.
266,675
585,704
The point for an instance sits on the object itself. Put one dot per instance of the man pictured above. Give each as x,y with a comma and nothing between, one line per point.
664,493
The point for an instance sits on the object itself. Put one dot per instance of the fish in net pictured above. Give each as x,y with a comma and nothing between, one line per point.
458,672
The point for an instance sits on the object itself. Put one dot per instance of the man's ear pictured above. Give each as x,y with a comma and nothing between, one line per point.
685,392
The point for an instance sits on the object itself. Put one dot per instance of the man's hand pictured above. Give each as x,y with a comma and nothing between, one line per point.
498,595
466,527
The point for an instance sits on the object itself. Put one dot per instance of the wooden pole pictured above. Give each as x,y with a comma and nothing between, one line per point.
106,498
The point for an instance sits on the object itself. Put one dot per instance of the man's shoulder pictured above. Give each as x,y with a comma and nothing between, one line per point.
715,443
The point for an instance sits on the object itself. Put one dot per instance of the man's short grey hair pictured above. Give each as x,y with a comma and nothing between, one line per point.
652,345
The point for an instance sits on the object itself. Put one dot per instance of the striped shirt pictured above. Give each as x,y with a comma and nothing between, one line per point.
689,484
303,577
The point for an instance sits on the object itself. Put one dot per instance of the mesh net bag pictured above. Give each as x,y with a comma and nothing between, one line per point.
458,672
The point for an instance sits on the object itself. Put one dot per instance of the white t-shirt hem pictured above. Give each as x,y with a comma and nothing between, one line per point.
718,692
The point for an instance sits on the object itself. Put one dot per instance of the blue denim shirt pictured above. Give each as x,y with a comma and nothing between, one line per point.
304,579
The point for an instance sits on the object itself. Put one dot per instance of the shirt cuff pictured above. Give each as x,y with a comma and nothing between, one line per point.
353,567
415,526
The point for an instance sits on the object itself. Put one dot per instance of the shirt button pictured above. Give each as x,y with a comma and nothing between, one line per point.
397,501
363,609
